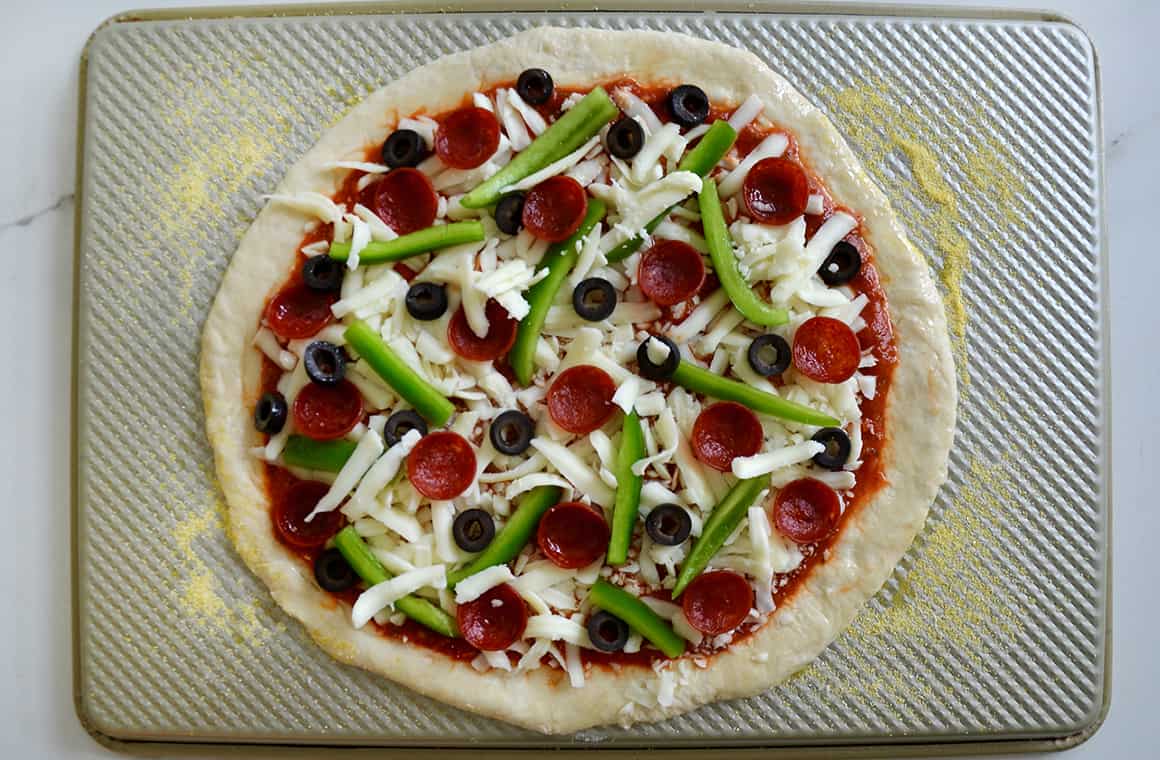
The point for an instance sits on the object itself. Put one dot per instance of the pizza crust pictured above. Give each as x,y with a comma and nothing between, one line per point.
920,406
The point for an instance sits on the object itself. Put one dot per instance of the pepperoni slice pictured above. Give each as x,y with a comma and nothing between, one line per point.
806,510
670,272
554,209
580,399
467,137
717,601
290,511
441,466
404,199
501,334
724,431
494,621
572,535
826,349
326,412
776,191
299,311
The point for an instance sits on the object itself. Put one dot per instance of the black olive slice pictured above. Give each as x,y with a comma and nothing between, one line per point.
689,105
625,138
664,370
511,432
473,530
769,355
402,422
333,572
534,86
404,147
325,363
426,301
323,273
842,265
668,524
837,451
509,213
607,632
594,299
270,413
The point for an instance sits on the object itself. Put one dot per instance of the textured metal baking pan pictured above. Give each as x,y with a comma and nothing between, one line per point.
983,129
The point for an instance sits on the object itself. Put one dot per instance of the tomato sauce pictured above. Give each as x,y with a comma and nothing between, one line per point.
877,336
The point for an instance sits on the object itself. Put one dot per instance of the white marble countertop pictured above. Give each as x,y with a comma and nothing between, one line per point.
38,86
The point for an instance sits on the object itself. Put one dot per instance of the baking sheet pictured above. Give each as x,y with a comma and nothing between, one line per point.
985,134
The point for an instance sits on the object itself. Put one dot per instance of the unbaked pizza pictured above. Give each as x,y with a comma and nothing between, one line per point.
577,379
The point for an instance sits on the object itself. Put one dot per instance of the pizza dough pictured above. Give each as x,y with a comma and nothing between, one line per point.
920,413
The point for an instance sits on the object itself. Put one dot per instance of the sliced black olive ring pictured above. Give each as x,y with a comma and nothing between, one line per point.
509,213
625,138
607,632
333,572
402,422
837,451
270,413
689,105
594,299
668,524
404,147
535,86
665,369
473,530
769,355
511,432
842,265
325,363
323,273
426,301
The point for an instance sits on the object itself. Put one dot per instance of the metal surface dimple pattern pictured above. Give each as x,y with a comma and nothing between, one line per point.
984,134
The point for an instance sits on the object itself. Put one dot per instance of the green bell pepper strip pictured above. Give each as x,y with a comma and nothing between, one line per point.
565,135
323,456
362,561
428,401
412,244
724,519
559,261
638,616
514,536
700,160
628,487
725,263
701,380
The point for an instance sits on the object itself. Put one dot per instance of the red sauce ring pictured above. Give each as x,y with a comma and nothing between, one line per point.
442,465
671,271
716,602
580,399
826,350
298,311
554,209
806,510
404,199
501,334
289,516
326,412
775,191
467,137
572,535
494,621
724,431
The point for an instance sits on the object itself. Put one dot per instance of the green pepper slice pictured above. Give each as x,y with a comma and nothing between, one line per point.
725,518
514,536
428,401
412,244
368,567
628,487
309,454
638,616
559,261
725,262
701,380
700,160
565,135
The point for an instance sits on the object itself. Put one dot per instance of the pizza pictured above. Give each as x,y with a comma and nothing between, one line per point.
581,378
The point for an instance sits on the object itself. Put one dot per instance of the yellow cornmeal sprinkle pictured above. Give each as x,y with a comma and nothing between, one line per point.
944,599
882,128
199,594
